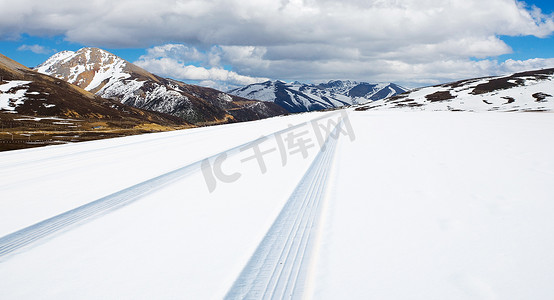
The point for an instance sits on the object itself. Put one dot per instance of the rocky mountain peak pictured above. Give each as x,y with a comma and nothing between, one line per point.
110,76
88,68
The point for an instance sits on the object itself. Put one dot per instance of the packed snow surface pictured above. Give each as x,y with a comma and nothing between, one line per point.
426,205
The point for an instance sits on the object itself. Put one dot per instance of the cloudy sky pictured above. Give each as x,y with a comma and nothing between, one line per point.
227,43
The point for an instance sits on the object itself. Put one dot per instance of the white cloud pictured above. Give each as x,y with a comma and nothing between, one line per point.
177,51
511,66
171,65
269,22
410,68
38,49
291,39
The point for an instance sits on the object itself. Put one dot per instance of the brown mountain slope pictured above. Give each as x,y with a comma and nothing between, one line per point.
34,108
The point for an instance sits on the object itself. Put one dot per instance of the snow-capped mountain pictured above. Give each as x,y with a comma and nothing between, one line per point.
525,91
38,110
24,91
110,76
301,97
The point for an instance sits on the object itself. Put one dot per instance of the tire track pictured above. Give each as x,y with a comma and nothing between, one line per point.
25,237
279,267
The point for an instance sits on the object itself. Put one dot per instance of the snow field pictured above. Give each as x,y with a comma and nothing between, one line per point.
426,205
441,205
195,223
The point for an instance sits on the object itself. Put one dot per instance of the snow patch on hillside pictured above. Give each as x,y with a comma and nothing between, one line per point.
224,97
528,93
12,94
59,57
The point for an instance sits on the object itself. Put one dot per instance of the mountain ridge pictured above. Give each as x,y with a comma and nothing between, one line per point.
301,97
110,76
523,91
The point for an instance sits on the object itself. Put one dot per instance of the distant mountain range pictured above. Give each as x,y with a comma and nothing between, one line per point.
109,76
94,84
301,97
525,91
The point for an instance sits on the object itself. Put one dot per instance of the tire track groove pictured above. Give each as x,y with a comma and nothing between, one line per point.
278,267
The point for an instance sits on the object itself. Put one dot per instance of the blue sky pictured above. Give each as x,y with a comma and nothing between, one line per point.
527,47
545,5
410,42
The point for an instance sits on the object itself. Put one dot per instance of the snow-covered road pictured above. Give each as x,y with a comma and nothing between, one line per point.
397,205
279,268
